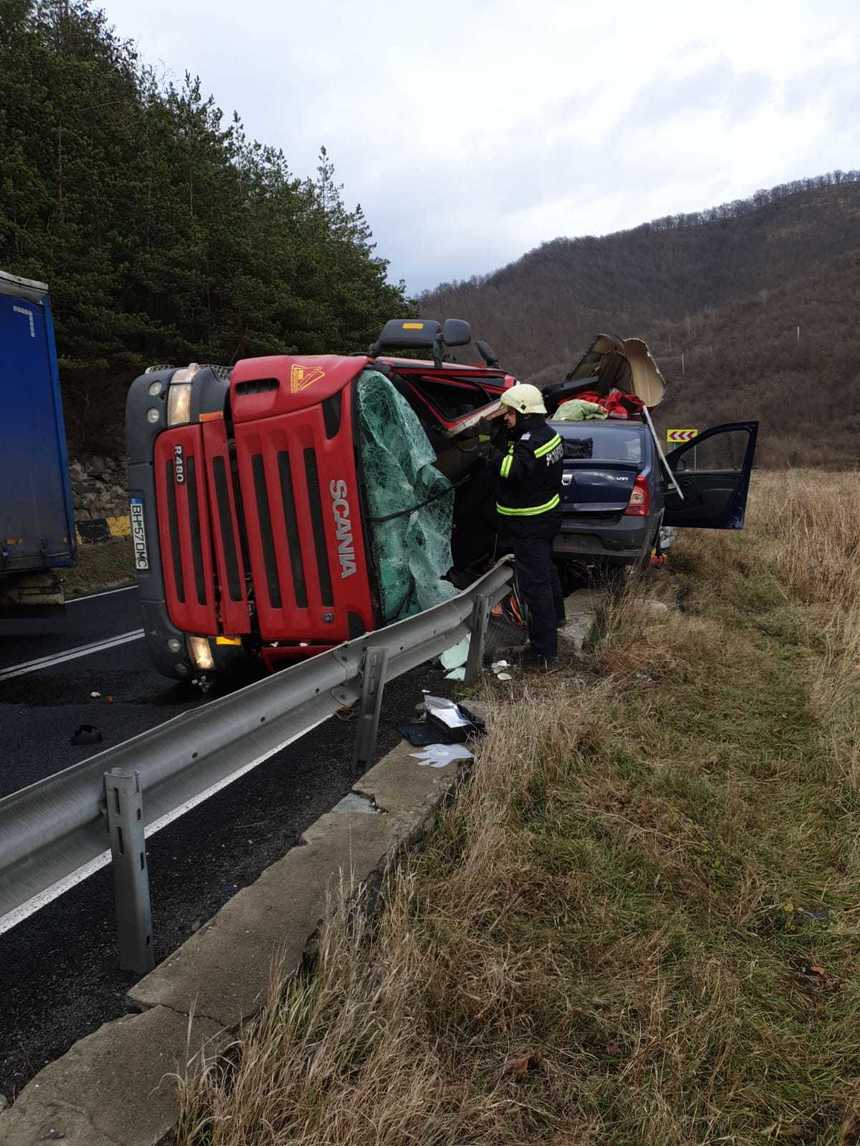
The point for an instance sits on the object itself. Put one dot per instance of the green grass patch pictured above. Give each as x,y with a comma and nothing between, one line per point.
107,565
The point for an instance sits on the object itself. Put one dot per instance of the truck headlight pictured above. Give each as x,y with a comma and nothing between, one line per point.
179,396
200,653
179,404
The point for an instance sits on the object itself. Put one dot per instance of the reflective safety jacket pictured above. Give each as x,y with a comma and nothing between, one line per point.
528,490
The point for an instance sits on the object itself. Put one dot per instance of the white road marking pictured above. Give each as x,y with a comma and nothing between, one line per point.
43,898
104,593
70,654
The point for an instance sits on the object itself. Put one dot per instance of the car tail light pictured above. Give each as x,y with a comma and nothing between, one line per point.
640,499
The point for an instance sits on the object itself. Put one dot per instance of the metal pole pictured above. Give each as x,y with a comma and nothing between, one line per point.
130,872
672,481
478,629
373,672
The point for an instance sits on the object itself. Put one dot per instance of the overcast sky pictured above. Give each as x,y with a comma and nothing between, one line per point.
472,131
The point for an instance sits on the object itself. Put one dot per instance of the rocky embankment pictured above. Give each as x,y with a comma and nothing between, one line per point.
99,487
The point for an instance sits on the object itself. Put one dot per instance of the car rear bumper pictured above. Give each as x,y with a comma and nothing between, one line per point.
624,541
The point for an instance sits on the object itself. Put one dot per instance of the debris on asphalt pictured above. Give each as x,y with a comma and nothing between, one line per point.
95,695
86,734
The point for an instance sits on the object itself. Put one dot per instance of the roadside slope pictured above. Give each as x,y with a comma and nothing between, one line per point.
638,923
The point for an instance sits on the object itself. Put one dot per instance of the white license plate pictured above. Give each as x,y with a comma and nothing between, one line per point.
138,533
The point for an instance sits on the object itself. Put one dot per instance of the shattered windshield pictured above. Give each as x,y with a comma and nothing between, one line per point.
410,503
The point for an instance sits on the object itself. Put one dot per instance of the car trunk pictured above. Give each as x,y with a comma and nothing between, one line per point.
601,462
597,489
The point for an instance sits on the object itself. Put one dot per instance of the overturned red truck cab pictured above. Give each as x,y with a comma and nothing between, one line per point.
292,503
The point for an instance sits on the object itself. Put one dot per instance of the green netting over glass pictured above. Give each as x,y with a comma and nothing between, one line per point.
411,504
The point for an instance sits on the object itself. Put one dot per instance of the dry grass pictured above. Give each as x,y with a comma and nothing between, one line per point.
106,565
639,921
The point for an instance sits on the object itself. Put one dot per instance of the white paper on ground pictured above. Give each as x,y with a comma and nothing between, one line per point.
496,665
456,674
445,710
457,655
440,755
503,676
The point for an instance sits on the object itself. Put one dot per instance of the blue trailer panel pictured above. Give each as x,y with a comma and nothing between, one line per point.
37,530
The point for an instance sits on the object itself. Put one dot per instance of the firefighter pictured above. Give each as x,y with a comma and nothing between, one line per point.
528,496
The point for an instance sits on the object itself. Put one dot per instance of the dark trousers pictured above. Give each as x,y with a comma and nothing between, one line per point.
539,584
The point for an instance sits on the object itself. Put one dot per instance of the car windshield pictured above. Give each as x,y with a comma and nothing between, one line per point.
607,444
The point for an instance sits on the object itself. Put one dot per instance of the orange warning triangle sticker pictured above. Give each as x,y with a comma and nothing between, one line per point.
303,376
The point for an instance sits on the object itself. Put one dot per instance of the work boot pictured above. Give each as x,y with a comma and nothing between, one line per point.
532,659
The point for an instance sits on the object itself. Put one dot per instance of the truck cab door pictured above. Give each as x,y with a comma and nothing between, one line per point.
713,471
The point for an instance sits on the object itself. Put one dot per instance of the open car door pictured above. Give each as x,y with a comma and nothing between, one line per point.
713,471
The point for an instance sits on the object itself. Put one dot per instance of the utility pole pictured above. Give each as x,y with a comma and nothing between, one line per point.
798,334
683,371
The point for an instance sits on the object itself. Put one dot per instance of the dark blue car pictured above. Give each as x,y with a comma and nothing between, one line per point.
618,493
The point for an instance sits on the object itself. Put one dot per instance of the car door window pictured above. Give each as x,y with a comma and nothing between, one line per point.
716,454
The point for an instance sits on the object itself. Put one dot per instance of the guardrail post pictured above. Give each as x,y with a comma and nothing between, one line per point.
478,629
373,671
130,871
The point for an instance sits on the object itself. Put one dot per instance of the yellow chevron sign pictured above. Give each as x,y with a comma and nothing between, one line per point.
677,437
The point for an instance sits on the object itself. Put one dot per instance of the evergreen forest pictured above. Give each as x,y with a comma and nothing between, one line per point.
164,232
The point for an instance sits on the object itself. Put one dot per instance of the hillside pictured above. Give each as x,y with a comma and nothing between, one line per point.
728,287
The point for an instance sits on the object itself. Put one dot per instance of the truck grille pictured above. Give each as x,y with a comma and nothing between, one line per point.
287,465
288,500
190,585
282,585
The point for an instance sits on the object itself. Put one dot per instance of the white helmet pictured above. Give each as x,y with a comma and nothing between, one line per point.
524,398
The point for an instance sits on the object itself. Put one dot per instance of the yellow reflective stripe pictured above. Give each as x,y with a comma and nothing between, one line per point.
529,511
505,467
554,441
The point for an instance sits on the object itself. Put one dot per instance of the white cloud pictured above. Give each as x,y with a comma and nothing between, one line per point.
472,131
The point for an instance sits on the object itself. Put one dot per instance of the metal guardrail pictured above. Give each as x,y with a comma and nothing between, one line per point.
58,831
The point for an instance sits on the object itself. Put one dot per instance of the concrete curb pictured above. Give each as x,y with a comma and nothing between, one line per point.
114,1088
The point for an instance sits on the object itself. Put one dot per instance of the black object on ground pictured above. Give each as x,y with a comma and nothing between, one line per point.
86,734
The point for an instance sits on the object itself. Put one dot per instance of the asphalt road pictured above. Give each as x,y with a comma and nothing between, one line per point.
59,978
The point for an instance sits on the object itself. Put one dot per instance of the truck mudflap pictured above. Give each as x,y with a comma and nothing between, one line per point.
302,508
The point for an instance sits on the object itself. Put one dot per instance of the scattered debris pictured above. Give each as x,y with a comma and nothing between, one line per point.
418,733
813,976
503,676
445,710
457,655
518,1066
456,674
86,734
95,695
441,755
